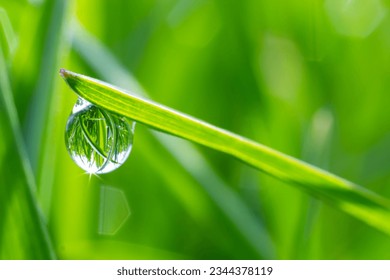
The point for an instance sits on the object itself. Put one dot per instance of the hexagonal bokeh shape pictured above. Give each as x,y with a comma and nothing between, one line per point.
114,210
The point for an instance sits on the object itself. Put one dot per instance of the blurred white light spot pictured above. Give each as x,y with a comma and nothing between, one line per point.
114,210
281,67
322,124
355,18
318,138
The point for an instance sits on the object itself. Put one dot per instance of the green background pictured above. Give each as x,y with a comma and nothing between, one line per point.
309,78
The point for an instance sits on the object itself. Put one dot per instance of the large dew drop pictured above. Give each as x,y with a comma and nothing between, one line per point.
98,141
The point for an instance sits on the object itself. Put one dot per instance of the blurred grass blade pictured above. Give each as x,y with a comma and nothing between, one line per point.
316,149
250,226
40,124
9,34
26,235
355,200
54,15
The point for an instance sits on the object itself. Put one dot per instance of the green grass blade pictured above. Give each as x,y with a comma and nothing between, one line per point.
23,230
55,13
232,205
355,200
40,123
9,34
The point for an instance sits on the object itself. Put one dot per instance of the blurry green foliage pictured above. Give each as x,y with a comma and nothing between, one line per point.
308,78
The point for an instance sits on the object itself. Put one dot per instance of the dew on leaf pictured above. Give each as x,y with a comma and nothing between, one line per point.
98,141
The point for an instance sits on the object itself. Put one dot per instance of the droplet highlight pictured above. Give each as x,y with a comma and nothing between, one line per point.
98,141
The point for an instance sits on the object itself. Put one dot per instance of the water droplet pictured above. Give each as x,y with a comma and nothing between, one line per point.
98,141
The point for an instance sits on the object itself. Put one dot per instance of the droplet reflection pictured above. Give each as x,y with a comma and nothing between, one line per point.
97,141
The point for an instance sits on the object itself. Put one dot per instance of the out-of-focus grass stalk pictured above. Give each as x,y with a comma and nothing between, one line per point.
316,149
8,31
355,200
29,205
41,118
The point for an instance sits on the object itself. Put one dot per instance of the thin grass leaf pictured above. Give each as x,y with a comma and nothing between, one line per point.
26,235
347,196
232,205
54,14
40,123
9,34
316,151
